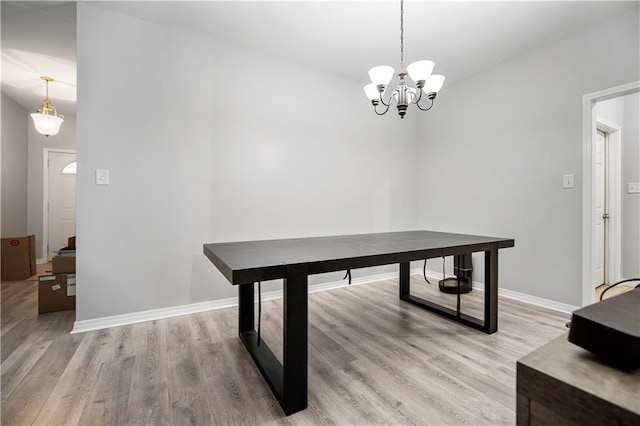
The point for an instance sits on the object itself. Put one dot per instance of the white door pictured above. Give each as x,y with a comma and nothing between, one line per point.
62,200
600,210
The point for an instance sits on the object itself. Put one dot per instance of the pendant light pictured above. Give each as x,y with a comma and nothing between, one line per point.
46,119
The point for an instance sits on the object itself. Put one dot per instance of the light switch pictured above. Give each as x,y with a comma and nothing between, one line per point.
102,177
633,188
568,182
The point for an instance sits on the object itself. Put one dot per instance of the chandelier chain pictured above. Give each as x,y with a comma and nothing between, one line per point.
47,89
402,35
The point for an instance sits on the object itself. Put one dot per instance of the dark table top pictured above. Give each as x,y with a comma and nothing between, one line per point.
251,261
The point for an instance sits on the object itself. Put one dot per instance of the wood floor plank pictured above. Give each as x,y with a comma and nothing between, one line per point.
70,395
19,363
25,402
187,402
373,359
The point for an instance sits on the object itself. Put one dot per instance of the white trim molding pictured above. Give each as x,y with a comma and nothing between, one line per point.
515,295
531,300
194,308
588,130
174,311
152,315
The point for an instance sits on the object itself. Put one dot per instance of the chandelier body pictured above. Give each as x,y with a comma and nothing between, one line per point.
427,84
46,119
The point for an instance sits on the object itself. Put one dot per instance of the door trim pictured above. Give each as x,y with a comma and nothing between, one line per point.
45,197
588,183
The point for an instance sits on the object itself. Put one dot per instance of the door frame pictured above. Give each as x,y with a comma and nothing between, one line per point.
613,179
589,125
45,197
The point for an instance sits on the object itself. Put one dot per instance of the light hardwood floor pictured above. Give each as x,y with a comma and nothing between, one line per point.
622,288
372,360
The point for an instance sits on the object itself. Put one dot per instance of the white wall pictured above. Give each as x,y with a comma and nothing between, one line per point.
65,139
213,143
14,168
494,150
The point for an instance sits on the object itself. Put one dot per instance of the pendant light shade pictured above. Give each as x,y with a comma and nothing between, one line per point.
46,119
433,84
47,125
372,92
381,75
420,70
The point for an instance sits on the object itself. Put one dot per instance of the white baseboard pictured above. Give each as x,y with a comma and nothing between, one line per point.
537,301
174,311
151,315
521,297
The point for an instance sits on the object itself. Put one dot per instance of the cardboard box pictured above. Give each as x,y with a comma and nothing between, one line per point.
71,242
63,264
56,293
18,258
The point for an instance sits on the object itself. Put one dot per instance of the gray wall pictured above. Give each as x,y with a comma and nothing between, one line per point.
216,143
631,173
194,158
65,139
14,168
496,146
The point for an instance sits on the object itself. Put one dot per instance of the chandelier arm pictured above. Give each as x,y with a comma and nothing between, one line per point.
425,109
384,103
375,108
417,101
46,107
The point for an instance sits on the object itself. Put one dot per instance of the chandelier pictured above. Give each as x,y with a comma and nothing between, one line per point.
427,85
46,119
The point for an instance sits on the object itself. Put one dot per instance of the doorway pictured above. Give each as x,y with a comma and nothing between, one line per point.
602,192
59,222
607,170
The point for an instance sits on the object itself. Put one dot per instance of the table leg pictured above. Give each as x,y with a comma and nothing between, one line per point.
287,380
246,307
405,287
295,339
489,324
491,290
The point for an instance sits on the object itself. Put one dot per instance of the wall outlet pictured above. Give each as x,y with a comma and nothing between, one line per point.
633,188
102,177
568,181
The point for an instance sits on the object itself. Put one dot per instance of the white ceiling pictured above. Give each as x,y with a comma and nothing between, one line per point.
342,37
39,38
